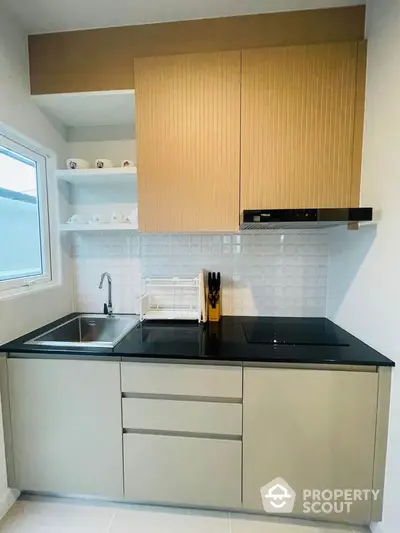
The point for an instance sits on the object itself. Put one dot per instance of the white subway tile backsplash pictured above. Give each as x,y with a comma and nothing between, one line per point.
276,273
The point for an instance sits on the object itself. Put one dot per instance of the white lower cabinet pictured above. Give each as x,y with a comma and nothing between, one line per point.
179,438
183,470
313,428
66,426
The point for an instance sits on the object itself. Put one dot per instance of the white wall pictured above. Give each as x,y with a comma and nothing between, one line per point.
16,107
116,151
24,313
107,142
364,276
21,314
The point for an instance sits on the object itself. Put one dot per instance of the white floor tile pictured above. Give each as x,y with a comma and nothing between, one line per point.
162,520
57,517
208,521
50,515
260,524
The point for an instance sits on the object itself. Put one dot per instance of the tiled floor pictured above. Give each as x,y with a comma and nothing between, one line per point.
45,515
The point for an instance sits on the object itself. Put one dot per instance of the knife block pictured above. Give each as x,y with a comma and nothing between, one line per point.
214,313
214,296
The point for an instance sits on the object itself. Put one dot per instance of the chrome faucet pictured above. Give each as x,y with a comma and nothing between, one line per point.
109,306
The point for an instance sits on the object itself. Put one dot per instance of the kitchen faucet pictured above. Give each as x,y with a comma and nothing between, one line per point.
108,308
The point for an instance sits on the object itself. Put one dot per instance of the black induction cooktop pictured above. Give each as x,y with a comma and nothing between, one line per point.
295,334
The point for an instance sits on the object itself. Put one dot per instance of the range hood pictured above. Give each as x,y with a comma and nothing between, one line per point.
303,218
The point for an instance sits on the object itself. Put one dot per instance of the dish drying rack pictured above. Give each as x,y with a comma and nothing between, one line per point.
174,298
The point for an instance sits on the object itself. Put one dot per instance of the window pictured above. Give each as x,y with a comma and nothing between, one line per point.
24,217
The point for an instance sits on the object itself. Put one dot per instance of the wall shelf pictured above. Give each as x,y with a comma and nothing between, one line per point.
98,176
98,227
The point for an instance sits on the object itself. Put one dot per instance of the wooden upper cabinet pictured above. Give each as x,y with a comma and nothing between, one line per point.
188,142
302,116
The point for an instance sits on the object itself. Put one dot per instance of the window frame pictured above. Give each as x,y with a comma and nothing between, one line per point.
12,140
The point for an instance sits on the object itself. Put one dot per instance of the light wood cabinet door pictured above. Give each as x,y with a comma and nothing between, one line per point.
302,115
188,142
313,428
66,426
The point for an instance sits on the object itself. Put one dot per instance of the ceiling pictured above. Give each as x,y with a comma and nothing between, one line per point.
91,109
43,16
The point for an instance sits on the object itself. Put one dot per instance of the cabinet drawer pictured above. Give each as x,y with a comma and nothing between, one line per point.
182,380
180,415
182,470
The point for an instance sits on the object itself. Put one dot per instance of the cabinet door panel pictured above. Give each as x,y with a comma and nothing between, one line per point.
298,127
66,426
188,142
313,428
182,470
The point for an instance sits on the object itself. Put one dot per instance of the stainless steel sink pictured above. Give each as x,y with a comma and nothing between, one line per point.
88,330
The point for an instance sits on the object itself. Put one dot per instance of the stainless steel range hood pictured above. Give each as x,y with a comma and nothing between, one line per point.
303,218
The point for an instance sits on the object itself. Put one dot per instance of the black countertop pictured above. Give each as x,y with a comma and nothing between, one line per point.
234,339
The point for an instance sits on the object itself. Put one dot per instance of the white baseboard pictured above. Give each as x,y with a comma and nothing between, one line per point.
8,500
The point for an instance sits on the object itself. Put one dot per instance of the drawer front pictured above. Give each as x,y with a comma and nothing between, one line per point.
180,415
182,470
182,380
